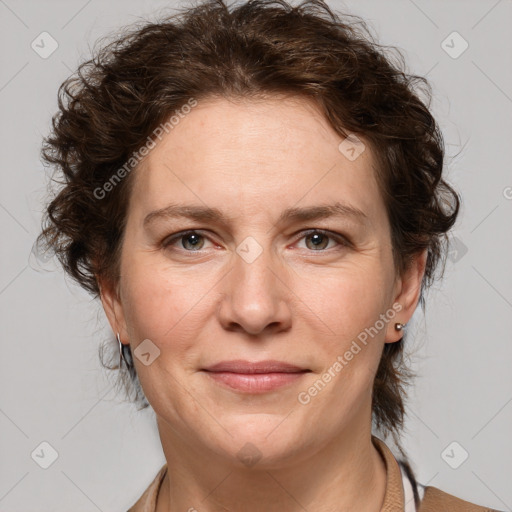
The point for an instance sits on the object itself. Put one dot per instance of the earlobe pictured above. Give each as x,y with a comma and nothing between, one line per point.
408,294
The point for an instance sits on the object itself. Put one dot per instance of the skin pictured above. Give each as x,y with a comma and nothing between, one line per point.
295,303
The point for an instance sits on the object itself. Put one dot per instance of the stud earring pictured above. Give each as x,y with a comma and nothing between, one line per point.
399,326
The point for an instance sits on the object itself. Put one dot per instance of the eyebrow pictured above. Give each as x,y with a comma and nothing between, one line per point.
294,214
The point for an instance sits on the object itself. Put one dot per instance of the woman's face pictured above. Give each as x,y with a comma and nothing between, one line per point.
276,266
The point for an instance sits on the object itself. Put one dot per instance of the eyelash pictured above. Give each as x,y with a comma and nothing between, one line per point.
340,239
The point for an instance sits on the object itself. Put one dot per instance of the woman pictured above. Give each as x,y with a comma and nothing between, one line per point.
256,196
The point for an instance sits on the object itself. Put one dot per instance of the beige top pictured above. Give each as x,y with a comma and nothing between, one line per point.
433,500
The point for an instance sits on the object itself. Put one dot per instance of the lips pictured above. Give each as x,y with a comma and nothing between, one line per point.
255,377
241,366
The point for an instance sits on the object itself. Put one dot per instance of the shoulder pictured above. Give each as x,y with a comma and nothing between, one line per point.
435,500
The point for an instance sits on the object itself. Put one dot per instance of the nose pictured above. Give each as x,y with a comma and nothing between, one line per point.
255,299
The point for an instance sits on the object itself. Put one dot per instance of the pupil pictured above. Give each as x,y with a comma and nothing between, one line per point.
192,239
318,239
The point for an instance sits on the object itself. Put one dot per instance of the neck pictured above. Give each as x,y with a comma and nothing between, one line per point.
348,474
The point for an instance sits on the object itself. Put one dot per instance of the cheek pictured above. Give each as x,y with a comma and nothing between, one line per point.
162,304
345,301
347,306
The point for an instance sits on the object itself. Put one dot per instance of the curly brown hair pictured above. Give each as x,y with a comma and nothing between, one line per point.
262,47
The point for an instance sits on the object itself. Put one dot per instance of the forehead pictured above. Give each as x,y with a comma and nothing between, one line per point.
276,152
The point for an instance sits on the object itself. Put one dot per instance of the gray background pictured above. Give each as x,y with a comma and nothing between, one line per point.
53,388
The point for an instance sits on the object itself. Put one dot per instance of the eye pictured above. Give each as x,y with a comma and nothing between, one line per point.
190,241
318,240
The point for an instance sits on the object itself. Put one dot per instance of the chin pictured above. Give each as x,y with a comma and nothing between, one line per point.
259,441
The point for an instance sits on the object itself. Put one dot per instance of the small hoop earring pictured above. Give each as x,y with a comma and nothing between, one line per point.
121,353
399,326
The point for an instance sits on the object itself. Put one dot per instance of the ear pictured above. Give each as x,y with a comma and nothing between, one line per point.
111,300
407,294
